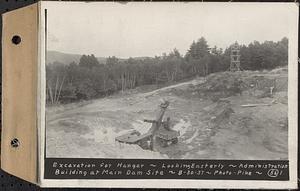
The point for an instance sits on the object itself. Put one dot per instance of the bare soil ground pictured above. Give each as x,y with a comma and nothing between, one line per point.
208,112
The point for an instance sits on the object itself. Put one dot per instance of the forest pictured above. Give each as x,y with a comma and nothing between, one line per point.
89,79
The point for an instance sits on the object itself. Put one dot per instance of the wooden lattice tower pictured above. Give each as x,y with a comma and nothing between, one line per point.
235,64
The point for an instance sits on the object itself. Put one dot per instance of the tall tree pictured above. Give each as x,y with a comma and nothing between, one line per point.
198,49
198,57
88,61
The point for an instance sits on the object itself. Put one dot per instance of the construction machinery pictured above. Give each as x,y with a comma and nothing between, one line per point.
160,132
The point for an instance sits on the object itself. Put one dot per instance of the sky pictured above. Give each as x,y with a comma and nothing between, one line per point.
149,29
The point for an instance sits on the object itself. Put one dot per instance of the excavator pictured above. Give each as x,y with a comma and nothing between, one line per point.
160,131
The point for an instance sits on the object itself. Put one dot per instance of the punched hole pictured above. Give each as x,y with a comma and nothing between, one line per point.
16,39
15,143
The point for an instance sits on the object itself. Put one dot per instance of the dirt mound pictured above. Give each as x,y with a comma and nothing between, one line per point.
221,112
226,84
247,132
220,85
209,113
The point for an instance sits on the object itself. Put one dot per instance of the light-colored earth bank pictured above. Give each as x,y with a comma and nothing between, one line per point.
212,121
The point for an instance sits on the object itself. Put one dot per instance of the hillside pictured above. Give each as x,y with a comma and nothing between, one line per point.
67,58
215,120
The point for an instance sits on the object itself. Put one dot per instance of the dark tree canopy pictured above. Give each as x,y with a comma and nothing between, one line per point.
88,61
68,82
198,49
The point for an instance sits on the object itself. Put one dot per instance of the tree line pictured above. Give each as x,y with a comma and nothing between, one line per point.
88,79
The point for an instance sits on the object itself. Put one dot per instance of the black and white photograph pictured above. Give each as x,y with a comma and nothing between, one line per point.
167,81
